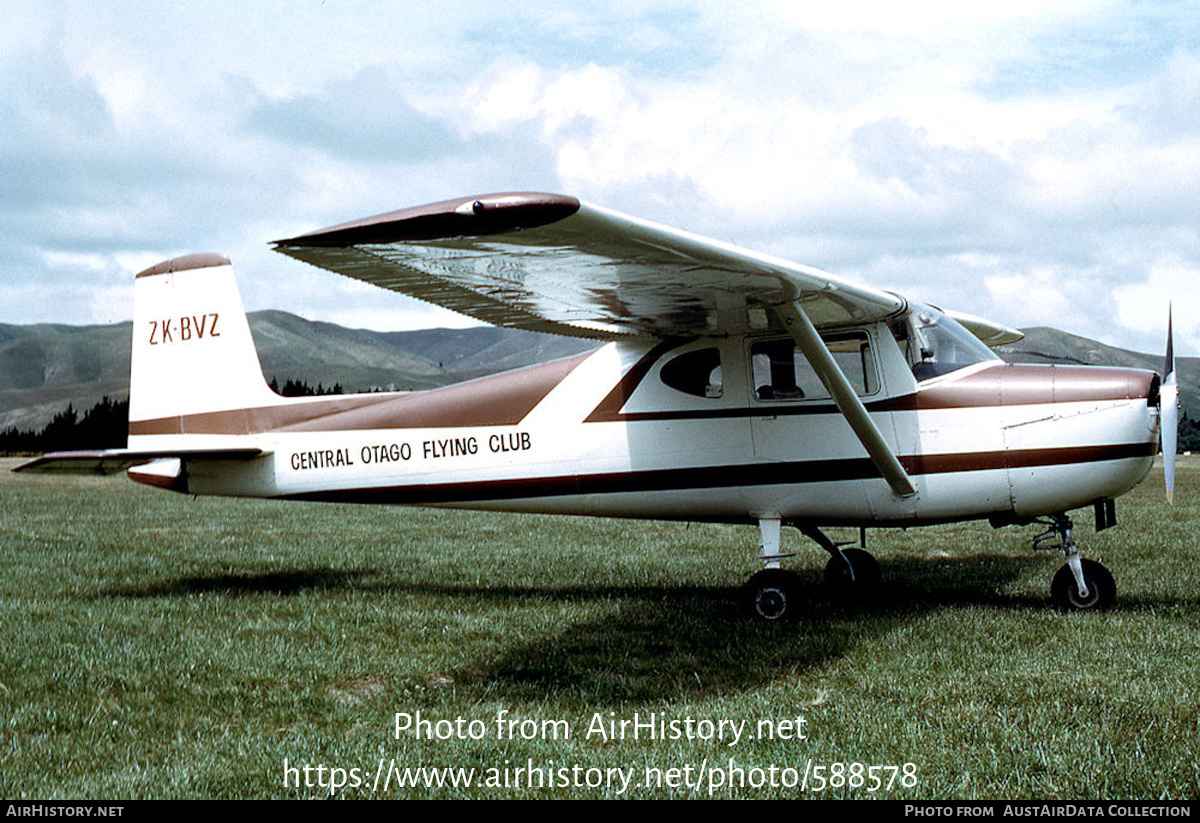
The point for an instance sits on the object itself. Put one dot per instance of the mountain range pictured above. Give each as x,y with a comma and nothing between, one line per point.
45,367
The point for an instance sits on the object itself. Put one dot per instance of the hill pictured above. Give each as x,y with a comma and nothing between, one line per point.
360,359
45,367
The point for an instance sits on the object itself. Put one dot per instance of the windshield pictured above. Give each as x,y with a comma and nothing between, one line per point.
936,345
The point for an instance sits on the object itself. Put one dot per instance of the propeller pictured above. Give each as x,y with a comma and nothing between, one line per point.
1169,409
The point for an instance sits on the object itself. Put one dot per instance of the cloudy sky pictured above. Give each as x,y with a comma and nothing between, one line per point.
1033,162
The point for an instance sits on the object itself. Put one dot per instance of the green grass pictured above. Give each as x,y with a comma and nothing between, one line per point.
160,646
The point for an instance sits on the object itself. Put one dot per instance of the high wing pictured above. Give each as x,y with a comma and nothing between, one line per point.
552,263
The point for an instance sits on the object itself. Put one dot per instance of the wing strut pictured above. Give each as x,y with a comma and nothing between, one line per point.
813,347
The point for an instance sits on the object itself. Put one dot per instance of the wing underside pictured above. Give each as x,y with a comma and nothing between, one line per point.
554,264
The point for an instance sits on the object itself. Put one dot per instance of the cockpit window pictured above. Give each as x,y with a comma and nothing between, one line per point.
935,345
781,372
697,373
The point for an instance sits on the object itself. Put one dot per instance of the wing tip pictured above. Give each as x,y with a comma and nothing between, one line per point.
473,216
989,331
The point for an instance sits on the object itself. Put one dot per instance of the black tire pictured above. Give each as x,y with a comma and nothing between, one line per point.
861,576
1102,590
772,595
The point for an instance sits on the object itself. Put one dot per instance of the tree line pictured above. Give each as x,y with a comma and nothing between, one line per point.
1189,434
299,388
103,426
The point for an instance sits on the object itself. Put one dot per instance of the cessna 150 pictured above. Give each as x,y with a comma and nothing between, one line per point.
734,387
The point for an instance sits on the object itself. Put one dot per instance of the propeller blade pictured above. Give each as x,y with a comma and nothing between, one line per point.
1169,411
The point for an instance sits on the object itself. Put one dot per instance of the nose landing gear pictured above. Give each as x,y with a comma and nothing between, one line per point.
1080,585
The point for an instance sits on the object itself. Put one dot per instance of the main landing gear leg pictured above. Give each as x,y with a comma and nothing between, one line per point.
772,594
849,572
1080,585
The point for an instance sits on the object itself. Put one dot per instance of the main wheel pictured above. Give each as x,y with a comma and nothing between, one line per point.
1102,591
855,572
772,595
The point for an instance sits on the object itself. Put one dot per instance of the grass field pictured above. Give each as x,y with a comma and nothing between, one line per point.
160,646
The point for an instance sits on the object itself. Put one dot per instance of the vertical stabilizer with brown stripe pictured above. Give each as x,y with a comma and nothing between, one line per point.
192,348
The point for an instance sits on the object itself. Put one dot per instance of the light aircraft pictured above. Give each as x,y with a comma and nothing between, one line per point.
733,386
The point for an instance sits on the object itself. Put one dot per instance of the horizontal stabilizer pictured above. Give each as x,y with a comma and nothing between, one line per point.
111,461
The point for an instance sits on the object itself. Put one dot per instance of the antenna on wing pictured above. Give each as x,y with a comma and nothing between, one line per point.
1169,406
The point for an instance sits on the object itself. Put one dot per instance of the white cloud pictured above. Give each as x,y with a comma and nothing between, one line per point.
930,20
1034,297
504,95
1171,282
1026,159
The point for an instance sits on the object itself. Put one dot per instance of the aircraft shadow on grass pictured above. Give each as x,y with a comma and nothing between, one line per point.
658,642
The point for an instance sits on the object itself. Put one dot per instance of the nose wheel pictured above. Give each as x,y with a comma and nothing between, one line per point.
1100,590
1080,585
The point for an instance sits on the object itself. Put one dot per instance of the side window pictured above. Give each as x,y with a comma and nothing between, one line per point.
697,373
780,371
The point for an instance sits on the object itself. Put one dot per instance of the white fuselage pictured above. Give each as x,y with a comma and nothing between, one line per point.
688,431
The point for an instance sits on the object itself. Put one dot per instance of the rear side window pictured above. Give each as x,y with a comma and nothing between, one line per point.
780,371
697,373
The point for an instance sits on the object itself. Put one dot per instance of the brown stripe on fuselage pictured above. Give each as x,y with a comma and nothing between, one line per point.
610,407
952,463
498,400
505,399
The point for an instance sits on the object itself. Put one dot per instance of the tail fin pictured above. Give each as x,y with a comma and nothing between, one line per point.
192,349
